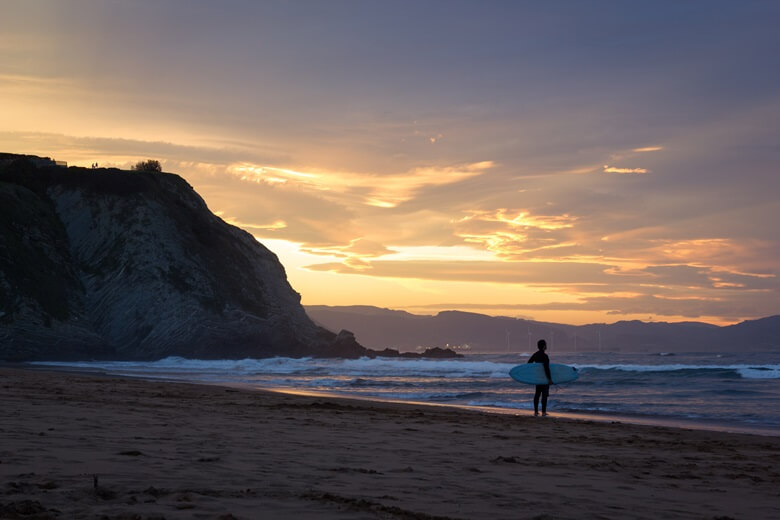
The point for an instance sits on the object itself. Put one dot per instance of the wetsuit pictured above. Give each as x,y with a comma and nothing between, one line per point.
542,391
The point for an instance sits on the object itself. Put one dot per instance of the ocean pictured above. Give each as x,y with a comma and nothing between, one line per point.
729,391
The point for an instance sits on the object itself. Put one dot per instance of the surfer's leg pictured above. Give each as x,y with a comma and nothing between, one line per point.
536,399
545,391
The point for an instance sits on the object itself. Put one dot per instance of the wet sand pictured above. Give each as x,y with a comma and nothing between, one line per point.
85,446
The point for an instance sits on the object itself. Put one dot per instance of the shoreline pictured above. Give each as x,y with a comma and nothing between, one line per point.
76,445
637,420
606,417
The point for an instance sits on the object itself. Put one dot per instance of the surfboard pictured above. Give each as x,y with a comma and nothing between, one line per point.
533,373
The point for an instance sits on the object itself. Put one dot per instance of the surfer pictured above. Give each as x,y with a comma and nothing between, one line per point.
542,391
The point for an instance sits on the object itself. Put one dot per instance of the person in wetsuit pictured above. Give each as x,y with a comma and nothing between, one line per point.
542,391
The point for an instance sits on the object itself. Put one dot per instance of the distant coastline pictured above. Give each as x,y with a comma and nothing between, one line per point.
466,332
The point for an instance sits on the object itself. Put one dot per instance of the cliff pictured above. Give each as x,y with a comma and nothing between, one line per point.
103,263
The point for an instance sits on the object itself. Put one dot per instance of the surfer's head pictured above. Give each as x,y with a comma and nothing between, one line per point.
541,344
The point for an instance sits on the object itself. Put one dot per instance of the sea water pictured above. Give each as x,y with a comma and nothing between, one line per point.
739,391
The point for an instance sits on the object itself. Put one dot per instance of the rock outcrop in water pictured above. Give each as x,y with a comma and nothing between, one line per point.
103,263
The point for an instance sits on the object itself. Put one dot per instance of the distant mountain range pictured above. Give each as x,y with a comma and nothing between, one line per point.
478,333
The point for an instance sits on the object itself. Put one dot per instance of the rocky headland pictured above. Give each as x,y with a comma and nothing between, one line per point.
112,264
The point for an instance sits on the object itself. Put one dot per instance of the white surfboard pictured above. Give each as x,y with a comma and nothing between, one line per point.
533,373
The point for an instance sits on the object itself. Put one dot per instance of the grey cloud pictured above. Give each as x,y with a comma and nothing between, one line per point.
52,144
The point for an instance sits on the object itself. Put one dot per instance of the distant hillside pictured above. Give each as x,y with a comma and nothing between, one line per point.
470,332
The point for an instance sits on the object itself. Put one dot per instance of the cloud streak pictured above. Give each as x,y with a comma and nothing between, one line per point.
676,290
615,169
382,191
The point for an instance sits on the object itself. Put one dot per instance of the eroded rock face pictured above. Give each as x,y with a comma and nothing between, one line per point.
133,265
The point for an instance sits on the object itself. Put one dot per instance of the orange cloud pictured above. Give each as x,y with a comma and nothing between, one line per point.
383,191
529,273
614,169
511,232
357,248
674,290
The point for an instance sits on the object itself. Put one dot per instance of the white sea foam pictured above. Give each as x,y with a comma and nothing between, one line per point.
363,367
745,371
767,372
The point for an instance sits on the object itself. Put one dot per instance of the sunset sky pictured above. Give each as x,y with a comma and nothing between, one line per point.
575,162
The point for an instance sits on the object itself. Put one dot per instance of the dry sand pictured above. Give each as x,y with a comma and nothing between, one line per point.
170,450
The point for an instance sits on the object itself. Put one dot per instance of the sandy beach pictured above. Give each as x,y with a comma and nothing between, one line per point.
84,446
